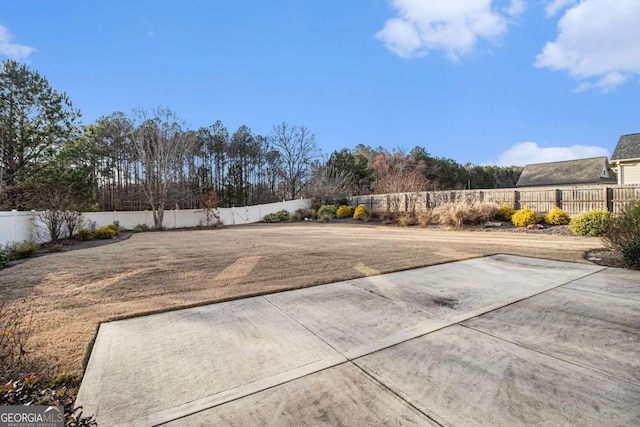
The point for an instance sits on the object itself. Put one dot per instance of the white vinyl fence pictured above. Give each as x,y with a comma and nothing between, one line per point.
19,226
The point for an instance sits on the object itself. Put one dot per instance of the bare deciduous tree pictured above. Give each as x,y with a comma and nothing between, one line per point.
160,145
398,173
329,184
297,148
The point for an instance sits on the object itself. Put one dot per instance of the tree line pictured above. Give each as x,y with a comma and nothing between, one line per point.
150,159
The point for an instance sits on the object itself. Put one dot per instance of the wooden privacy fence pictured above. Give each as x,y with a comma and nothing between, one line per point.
572,200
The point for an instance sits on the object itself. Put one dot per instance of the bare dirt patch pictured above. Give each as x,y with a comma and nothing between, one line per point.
72,292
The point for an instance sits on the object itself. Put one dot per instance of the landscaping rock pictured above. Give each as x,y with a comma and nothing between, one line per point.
492,224
535,227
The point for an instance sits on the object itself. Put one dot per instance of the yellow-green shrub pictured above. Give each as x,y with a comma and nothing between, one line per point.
344,211
525,217
557,216
105,232
115,227
330,210
361,212
592,223
504,213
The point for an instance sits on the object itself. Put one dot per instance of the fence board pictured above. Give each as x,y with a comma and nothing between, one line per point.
573,200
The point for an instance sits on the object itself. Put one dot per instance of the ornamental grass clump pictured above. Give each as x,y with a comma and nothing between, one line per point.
557,216
460,213
425,217
525,217
343,212
592,223
360,212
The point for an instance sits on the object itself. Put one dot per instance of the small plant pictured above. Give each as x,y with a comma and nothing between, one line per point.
592,223
85,234
115,227
106,232
303,215
55,247
26,249
407,219
280,216
15,330
425,217
344,211
505,213
631,254
360,212
328,209
326,217
28,390
622,231
140,228
525,217
557,216
4,257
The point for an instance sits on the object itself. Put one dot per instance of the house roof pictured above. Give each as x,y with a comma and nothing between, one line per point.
628,147
568,172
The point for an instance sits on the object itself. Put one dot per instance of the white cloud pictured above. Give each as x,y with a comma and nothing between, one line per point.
516,8
598,41
525,153
13,50
452,26
556,6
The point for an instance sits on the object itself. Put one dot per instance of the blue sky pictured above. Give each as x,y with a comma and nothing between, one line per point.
480,81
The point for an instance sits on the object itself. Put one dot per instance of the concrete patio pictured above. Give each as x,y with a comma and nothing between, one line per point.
498,341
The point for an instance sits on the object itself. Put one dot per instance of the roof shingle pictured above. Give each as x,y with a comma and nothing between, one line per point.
568,172
628,147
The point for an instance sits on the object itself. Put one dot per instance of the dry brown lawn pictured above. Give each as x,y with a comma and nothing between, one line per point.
70,293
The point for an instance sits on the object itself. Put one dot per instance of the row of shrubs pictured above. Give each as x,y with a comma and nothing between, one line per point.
620,233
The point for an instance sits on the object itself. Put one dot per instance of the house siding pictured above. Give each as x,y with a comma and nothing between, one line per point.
629,173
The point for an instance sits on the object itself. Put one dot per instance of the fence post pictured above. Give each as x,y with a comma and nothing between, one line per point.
608,199
515,199
15,225
558,198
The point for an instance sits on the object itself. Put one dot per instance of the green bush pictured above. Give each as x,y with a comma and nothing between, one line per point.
525,217
622,231
592,223
4,257
344,211
280,216
360,212
26,249
115,227
106,232
631,254
330,210
55,247
505,213
85,234
140,228
557,216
